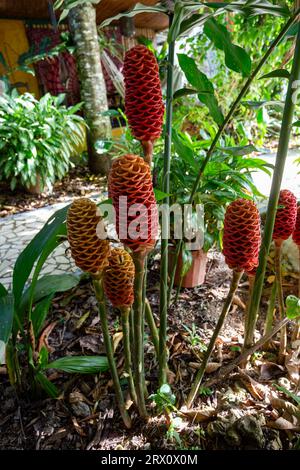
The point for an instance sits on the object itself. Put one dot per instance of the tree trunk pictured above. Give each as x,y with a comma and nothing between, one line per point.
82,22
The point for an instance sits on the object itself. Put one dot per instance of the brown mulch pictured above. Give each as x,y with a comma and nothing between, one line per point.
245,411
78,182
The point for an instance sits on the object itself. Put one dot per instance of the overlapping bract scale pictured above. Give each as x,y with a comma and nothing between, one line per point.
144,106
119,278
285,216
242,238
296,232
130,187
89,252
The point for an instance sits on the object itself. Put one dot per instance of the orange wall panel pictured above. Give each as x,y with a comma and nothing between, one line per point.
13,43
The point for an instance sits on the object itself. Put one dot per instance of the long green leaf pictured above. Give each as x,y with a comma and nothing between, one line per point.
203,86
236,58
279,73
33,250
6,317
40,313
48,386
47,285
3,290
80,364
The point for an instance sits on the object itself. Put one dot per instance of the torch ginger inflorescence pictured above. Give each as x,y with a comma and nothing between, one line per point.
137,218
89,252
241,240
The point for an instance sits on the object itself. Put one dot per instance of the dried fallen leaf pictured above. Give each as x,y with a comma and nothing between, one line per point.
90,342
117,337
198,416
43,341
270,370
292,364
282,424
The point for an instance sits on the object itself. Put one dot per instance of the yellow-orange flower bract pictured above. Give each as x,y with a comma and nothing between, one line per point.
89,252
119,278
130,187
242,238
144,106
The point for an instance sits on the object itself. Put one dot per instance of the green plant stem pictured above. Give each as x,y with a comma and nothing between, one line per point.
163,300
152,326
138,313
250,291
98,286
143,320
223,127
278,273
195,387
296,332
270,312
239,98
125,312
173,273
282,151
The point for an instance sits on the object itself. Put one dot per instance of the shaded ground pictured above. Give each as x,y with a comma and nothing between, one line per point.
78,182
243,411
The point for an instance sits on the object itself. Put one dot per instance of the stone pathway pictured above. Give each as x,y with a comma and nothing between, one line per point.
17,230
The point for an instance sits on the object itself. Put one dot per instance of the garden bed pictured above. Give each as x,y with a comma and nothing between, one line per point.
77,183
239,412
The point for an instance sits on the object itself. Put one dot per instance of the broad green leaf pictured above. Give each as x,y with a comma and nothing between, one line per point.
203,86
184,92
80,364
40,312
184,152
279,73
33,250
236,58
239,151
6,317
160,195
296,124
3,290
49,284
48,386
261,104
292,306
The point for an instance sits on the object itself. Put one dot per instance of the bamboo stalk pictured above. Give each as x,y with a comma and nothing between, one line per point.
281,307
196,385
125,313
285,132
98,286
138,313
163,300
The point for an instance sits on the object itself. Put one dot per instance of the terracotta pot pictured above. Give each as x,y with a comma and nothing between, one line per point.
35,188
196,274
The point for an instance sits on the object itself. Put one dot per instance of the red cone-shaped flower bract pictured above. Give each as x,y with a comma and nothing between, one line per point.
241,240
130,177
296,232
89,252
285,216
119,278
144,106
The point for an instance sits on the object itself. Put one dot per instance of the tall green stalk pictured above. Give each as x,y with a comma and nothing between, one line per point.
278,273
98,285
138,322
270,311
236,276
163,301
224,125
282,151
125,312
